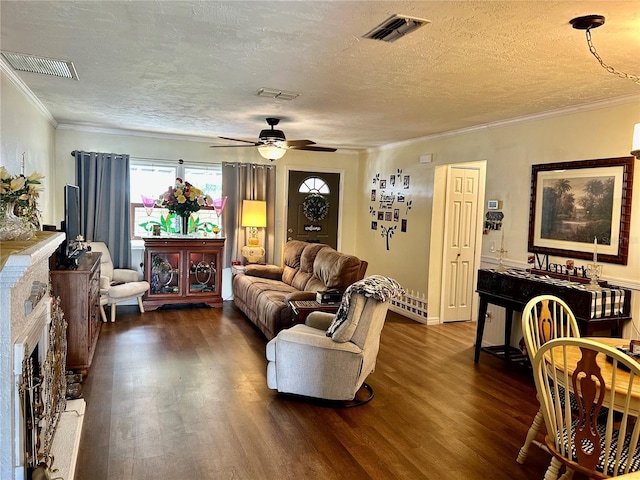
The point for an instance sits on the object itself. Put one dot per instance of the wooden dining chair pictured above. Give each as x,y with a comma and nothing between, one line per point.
598,376
544,318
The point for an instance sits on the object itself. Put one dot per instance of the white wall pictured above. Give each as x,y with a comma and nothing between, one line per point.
509,149
601,131
160,147
25,129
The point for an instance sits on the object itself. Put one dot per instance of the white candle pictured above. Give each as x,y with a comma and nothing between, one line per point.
595,249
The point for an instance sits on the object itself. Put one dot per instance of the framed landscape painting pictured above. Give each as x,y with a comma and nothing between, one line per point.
580,207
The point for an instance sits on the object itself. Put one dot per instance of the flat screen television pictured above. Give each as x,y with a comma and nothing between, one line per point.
72,225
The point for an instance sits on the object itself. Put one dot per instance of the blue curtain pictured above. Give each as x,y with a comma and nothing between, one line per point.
247,181
103,179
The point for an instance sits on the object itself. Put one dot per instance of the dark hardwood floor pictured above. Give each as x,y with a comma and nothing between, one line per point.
181,393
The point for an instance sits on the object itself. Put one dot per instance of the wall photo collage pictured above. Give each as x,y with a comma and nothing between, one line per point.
390,204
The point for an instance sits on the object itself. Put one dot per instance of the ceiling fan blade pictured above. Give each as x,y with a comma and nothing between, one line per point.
240,140
298,143
232,146
315,148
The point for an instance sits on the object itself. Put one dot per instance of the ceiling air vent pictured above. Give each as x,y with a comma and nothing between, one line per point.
275,93
44,66
395,27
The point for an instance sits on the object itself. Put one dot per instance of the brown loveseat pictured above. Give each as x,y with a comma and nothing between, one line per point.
264,291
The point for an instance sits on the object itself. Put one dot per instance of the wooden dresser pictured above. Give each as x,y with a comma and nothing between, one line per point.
79,292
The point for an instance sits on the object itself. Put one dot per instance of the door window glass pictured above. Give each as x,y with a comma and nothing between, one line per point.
314,185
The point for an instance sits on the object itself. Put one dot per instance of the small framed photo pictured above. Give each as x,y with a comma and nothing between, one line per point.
383,184
387,216
392,181
396,214
400,197
380,215
403,225
373,195
405,182
374,225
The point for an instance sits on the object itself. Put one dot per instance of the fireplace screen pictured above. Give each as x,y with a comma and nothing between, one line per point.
43,392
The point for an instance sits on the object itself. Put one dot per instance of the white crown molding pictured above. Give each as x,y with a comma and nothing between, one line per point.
133,133
611,102
26,91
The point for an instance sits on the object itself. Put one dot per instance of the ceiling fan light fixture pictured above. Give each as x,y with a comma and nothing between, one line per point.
270,151
272,135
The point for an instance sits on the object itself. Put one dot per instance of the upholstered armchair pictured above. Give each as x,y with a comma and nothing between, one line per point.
117,284
330,356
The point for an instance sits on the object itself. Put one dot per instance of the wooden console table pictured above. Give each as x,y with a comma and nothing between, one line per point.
183,269
513,289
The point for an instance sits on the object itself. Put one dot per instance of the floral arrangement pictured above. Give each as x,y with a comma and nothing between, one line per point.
315,207
20,191
183,199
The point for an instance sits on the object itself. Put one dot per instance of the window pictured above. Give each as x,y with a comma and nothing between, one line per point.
314,185
149,181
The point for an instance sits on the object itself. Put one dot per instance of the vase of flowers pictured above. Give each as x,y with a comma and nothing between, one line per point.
18,205
183,199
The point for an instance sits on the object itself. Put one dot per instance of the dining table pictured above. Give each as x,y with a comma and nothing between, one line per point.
573,355
629,476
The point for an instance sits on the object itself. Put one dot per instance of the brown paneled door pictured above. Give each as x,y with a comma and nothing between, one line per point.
302,185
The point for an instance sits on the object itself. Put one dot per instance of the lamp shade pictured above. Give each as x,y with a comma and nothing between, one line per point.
635,145
271,152
254,213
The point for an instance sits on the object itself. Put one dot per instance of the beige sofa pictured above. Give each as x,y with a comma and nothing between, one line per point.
264,291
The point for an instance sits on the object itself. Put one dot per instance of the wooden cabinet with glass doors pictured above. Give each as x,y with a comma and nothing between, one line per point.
183,269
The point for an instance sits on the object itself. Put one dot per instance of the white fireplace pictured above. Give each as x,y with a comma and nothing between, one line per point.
25,318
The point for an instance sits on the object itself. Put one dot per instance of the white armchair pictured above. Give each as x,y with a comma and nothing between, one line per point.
330,356
117,284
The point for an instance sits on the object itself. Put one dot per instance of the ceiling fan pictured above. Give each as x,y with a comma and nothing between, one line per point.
273,144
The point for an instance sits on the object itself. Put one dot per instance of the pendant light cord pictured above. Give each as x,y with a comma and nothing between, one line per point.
608,68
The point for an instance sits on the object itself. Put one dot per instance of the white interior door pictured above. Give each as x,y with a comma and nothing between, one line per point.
459,243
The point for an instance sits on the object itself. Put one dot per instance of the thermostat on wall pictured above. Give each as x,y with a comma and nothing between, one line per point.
493,204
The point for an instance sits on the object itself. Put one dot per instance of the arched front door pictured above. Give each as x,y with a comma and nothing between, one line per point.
318,224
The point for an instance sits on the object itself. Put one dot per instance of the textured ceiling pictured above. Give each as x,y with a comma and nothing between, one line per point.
192,68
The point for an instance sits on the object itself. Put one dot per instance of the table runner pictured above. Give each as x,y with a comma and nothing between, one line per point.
604,303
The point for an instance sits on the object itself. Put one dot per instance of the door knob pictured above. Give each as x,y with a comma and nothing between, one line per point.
290,230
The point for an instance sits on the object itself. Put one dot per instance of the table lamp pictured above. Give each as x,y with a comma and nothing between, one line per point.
254,215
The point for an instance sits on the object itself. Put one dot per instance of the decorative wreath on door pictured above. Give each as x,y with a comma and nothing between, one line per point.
315,207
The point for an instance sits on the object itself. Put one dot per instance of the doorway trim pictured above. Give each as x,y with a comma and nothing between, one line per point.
306,168
435,294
